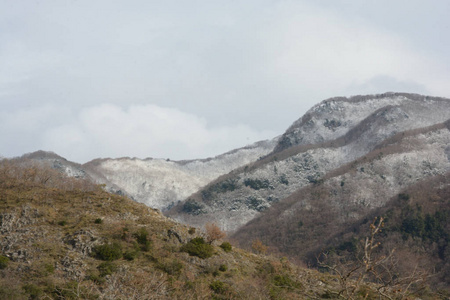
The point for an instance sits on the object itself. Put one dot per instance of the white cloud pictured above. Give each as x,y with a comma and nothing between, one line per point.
218,64
386,83
144,131
317,52
21,129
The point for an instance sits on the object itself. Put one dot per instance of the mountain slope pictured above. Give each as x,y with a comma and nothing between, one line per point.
161,183
334,117
356,189
330,135
66,238
158,183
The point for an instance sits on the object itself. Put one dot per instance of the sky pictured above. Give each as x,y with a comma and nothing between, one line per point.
194,79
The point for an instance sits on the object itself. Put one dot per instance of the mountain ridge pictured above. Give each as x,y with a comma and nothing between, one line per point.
303,164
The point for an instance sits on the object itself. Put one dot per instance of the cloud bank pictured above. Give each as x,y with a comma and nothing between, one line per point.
138,131
76,75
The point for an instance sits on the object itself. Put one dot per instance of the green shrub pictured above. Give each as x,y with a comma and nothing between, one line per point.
49,268
189,285
257,184
107,268
98,221
108,252
72,290
198,247
218,287
191,230
142,238
3,262
10,292
172,267
284,281
192,207
228,185
62,223
226,246
130,255
97,279
223,268
33,291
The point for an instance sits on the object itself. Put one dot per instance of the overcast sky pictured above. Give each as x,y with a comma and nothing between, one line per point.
193,79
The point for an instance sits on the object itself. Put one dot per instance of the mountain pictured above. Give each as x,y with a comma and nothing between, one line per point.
66,238
311,193
331,135
162,183
406,180
158,183
58,163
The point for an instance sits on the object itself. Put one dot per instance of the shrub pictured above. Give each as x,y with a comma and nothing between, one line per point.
130,255
62,223
72,290
142,238
223,268
192,207
49,268
107,268
284,281
218,287
170,267
257,184
98,221
108,252
33,291
198,247
284,180
228,185
255,203
226,246
3,262
404,197
97,279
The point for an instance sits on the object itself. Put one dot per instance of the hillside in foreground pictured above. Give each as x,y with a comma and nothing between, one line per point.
66,238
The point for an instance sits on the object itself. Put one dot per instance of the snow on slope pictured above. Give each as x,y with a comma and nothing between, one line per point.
160,183
335,117
341,130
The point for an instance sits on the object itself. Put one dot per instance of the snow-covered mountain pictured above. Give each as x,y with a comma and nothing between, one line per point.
234,188
332,134
161,183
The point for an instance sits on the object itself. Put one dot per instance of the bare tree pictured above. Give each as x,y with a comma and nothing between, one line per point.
213,232
372,266
258,247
